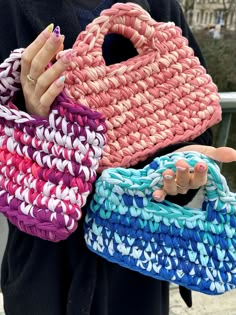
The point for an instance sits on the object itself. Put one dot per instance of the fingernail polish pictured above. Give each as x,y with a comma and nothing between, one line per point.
180,168
56,33
66,56
168,176
157,197
50,27
60,82
48,31
202,168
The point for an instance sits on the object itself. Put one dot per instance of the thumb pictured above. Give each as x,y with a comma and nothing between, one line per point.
222,154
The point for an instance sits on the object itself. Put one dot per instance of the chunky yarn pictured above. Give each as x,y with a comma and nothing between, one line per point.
47,166
160,97
195,248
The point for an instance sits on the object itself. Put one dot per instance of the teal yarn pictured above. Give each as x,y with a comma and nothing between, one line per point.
192,247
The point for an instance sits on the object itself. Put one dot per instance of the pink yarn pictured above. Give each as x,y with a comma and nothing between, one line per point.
47,166
160,97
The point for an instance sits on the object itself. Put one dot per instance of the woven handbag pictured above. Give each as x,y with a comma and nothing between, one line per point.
160,97
191,247
47,166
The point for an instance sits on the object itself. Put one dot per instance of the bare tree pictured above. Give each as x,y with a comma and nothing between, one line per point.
229,6
188,7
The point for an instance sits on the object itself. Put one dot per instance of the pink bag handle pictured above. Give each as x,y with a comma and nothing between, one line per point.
159,97
129,20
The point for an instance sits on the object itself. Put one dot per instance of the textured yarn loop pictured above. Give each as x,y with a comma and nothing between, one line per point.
47,165
192,247
159,97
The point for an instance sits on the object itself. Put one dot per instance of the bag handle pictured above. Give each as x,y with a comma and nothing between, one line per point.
129,20
10,76
218,199
47,165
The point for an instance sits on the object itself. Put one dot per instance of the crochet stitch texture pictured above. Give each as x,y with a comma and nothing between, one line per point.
160,97
47,166
195,248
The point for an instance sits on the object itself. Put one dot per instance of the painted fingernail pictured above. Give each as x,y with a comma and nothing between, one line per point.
48,31
66,56
157,197
50,27
201,168
181,169
168,176
60,82
56,33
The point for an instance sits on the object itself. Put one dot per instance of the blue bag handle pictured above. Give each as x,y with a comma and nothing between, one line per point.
138,185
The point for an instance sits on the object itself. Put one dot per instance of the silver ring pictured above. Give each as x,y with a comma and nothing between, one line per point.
179,186
30,79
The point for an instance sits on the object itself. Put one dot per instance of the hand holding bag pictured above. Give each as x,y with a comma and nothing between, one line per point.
47,166
195,248
160,97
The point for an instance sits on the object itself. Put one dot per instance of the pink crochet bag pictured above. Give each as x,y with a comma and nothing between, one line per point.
47,166
160,97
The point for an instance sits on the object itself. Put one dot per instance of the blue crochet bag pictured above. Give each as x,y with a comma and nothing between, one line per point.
195,248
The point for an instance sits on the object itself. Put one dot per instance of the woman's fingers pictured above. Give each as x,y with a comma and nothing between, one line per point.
199,176
223,154
52,73
159,195
41,77
174,184
48,86
31,51
181,181
169,182
49,96
182,176
169,186
46,54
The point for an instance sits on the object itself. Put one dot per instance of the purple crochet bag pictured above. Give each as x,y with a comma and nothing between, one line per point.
47,166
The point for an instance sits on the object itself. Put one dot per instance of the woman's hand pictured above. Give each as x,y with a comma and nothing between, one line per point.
42,84
183,180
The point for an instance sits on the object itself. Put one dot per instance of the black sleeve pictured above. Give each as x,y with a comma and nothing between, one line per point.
22,20
7,30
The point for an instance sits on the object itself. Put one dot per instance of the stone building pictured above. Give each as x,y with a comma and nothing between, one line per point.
208,13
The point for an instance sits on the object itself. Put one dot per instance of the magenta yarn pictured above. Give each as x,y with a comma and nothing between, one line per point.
47,166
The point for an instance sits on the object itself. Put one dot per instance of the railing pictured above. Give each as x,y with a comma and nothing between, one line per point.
228,104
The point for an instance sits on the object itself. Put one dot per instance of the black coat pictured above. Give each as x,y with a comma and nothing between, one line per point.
43,278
